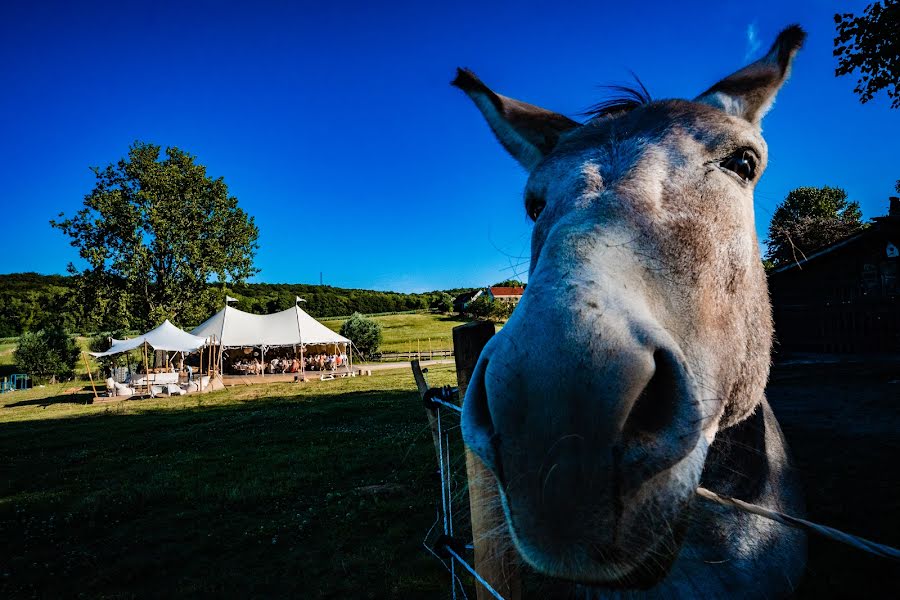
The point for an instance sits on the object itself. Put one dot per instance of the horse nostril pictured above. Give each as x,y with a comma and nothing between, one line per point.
477,424
656,407
661,427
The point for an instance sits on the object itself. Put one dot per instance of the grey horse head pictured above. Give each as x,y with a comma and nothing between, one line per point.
645,328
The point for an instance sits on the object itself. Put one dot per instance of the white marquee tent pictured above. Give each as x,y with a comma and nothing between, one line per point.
165,337
235,328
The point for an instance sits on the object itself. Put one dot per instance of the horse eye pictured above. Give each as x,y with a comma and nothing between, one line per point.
742,162
534,206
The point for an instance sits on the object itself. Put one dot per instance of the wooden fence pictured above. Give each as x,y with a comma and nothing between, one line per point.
414,355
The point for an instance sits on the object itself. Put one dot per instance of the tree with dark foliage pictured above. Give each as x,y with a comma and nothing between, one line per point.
48,354
870,44
154,232
808,219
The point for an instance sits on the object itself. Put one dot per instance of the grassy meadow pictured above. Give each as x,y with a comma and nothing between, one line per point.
401,332
318,490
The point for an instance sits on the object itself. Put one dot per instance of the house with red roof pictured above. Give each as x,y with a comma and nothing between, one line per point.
510,295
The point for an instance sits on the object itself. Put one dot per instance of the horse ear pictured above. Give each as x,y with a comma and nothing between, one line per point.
749,93
527,132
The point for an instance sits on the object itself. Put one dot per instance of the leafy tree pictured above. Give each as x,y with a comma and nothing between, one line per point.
443,303
808,219
509,283
47,354
484,308
870,44
364,333
500,311
479,308
155,231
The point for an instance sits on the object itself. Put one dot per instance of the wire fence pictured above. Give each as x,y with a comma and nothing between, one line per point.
449,537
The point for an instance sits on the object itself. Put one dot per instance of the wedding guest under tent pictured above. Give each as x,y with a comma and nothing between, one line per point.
292,328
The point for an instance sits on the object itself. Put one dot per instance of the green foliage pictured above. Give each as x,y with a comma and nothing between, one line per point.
490,310
325,301
29,301
509,283
501,311
364,333
870,44
154,232
101,343
48,354
443,303
808,219
479,308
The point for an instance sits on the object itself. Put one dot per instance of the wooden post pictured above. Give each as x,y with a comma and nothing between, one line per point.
90,376
432,419
495,556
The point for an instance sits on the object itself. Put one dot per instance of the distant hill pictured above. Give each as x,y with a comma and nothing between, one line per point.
30,301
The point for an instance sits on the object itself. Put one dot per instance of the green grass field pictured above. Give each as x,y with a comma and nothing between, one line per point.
317,490
402,332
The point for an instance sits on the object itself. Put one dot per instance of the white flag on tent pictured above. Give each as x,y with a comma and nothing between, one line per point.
299,299
230,299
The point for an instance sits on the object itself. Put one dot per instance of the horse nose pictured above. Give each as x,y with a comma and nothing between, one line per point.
661,425
477,426
635,414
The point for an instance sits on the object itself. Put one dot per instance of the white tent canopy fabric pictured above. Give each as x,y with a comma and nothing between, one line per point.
235,328
165,337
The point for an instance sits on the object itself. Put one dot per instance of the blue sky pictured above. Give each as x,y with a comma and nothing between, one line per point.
334,124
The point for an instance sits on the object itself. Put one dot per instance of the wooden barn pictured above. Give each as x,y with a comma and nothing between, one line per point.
844,297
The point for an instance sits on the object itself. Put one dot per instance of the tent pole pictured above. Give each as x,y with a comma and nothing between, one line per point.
90,376
147,369
222,333
300,337
200,370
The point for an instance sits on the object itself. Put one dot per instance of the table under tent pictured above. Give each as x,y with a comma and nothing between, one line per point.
287,343
166,378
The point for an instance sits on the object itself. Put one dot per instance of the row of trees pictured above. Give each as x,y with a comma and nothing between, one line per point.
30,302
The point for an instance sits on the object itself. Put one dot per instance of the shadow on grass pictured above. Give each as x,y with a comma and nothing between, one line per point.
74,398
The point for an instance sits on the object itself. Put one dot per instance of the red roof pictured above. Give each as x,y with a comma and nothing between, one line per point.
507,291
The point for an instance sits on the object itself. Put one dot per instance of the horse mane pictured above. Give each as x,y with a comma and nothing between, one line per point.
623,99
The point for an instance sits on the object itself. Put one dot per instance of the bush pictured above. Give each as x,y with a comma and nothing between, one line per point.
443,303
483,308
480,308
49,354
364,333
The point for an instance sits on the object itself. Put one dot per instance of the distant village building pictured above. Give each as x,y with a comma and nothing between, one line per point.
844,297
510,295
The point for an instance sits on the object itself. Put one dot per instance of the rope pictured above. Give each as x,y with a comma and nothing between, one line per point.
829,532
